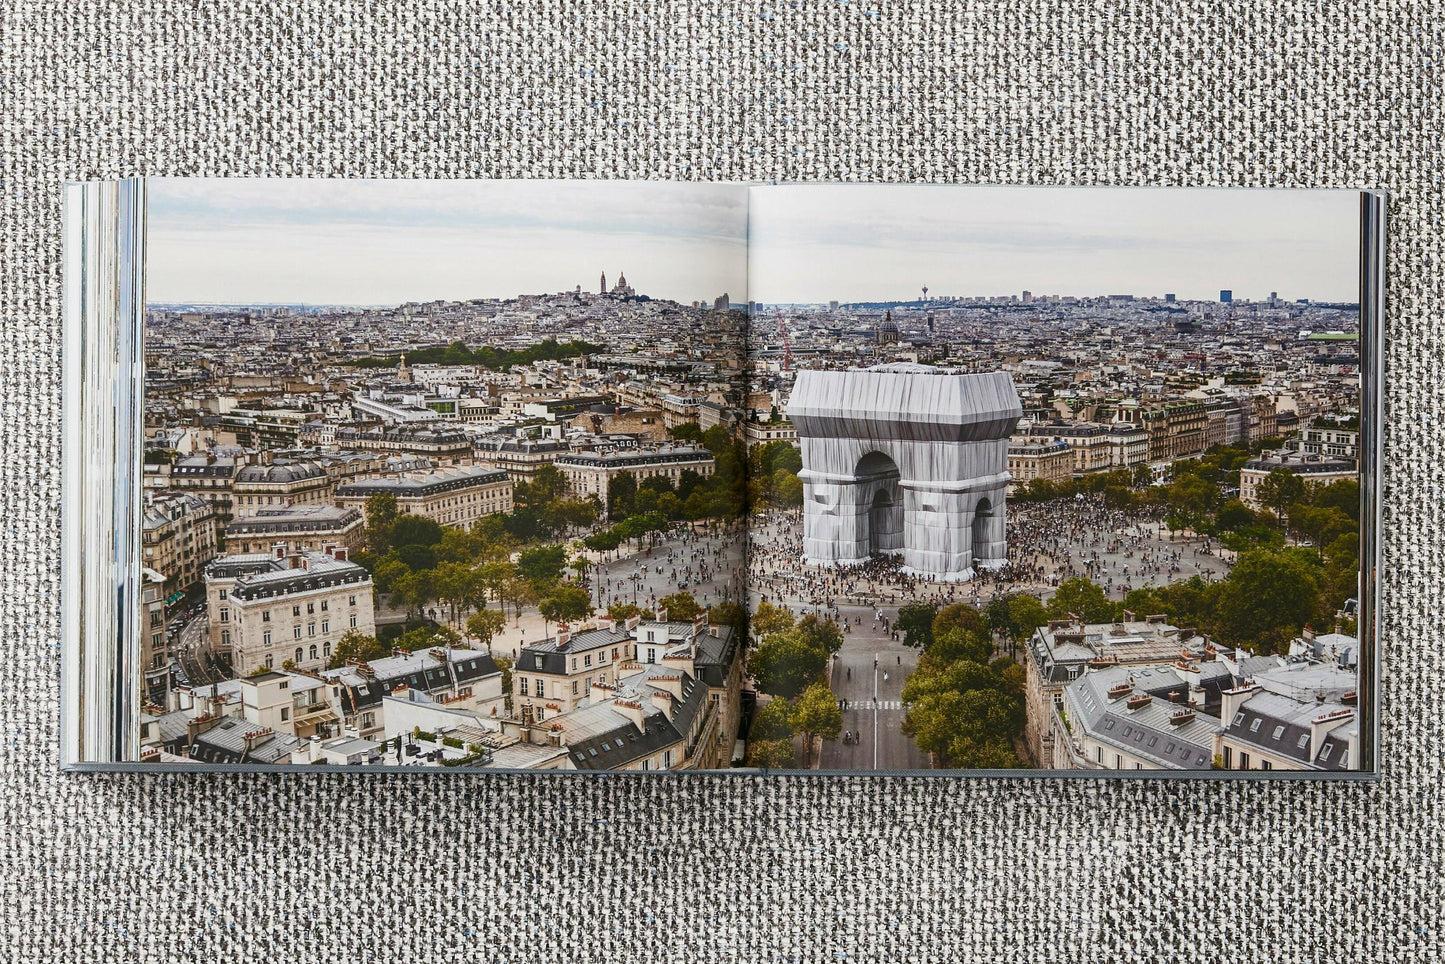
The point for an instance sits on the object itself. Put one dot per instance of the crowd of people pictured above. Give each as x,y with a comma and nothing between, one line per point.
706,563
1118,549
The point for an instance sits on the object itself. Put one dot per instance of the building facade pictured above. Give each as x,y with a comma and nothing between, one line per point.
282,484
178,538
456,496
286,609
589,473
309,528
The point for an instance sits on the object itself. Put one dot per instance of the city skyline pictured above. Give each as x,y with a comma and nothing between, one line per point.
812,244
226,241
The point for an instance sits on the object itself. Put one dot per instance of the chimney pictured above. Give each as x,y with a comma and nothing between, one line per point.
339,553
662,700
279,550
661,616
606,622
1232,699
633,711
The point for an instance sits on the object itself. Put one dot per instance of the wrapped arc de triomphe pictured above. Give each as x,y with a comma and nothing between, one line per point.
906,459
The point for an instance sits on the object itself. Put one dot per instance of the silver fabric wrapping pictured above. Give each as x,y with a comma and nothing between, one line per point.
905,460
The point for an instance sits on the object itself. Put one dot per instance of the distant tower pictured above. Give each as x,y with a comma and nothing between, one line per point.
603,289
925,292
403,373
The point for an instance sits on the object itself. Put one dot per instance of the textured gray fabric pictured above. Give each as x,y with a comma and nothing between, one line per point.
307,867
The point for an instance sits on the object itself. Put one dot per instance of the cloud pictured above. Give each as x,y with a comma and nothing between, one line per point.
851,242
327,241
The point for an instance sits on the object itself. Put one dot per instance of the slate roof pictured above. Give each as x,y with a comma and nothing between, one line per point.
1281,725
713,656
280,472
419,670
322,571
226,743
441,480
555,655
1145,732
601,737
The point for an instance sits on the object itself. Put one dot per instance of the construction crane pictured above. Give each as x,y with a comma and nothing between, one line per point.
787,348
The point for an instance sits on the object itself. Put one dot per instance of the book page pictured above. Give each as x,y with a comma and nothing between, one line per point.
1060,478
443,473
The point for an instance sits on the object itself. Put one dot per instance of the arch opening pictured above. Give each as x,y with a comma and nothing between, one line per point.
882,526
982,517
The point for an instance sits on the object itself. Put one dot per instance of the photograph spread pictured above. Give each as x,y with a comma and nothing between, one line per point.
671,477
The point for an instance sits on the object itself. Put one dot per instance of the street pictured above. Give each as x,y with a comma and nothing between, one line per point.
873,706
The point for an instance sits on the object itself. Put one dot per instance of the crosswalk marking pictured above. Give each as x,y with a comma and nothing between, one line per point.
873,705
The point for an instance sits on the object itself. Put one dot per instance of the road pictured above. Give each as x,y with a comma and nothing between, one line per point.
872,705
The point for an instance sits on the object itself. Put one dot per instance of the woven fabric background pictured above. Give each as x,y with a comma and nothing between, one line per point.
313,868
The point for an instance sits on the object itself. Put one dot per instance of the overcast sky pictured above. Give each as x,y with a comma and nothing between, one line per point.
815,243
240,241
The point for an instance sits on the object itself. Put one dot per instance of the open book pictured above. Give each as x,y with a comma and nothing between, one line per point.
655,476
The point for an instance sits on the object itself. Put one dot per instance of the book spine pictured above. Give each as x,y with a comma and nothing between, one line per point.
103,310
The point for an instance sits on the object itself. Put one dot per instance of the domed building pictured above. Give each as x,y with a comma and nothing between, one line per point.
284,482
887,333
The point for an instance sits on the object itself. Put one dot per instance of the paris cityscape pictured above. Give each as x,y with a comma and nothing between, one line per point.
608,526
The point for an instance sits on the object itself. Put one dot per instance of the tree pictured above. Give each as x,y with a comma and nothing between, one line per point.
1079,595
959,643
773,721
729,614
415,530
505,664
380,514
542,565
1026,615
355,644
967,730
1343,495
1233,516
413,590
787,488
1266,600
621,612
606,540
769,619
427,637
786,663
485,624
772,754
456,545
916,622
956,615
387,572
415,557
680,606
456,585
816,714
1279,489
621,489
565,602
822,633
1192,498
